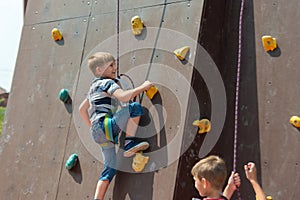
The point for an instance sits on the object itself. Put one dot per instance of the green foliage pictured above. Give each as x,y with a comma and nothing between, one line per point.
2,114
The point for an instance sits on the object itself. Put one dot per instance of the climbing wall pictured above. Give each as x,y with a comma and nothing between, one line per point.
41,132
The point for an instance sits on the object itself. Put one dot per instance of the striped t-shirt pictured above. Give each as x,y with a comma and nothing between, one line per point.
100,98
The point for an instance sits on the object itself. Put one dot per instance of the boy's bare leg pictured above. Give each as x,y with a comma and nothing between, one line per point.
101,189
132,126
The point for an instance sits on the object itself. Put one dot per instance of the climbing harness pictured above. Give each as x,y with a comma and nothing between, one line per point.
237,91
108,130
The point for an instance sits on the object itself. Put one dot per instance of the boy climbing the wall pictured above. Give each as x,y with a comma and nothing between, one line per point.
98,111
210,174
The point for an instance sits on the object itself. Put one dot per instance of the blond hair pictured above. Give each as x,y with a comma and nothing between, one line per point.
99,59
213,169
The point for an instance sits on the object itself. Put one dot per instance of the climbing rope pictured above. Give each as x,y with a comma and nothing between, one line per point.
118,45
237,90
155,44
118,52
126,85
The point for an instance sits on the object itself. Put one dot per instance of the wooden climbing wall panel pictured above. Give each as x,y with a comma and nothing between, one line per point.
41,132
278,91
38,124
167,110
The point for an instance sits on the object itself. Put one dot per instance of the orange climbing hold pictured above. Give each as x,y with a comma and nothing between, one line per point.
151,92
137,25
204,125
139,162
269,43
56,34
295,121
182,52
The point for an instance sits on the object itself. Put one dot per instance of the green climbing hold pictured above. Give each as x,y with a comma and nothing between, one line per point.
64,95
71,162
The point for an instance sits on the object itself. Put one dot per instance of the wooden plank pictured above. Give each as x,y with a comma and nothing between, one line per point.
106,6
278,86
49,11
172,78
33,143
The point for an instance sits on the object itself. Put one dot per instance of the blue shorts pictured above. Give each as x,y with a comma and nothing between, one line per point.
107,142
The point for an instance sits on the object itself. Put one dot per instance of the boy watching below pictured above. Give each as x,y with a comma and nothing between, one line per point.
210,174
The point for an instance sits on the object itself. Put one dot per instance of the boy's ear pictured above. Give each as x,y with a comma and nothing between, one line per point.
205,182
99,70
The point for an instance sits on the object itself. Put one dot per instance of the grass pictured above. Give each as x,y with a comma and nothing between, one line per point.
2,113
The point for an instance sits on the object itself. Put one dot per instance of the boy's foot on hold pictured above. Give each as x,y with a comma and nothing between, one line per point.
133,147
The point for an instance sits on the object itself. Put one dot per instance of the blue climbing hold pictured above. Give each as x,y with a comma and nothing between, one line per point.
64,95
71,162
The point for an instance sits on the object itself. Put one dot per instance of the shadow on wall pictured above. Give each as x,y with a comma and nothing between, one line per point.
140,185
76,172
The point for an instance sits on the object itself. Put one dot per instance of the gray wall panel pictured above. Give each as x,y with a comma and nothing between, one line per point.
278,86
37,122
49,10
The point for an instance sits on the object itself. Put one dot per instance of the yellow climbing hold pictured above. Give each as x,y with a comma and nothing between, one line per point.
295,121
137,25
56,34
182,52
203,124
151,92
269,198
269,43
139,162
